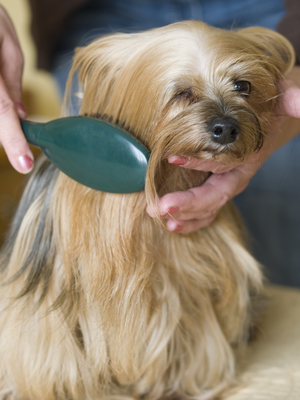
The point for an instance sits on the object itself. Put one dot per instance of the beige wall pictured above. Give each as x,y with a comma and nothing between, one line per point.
40,94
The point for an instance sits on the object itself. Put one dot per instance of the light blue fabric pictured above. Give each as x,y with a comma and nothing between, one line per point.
270,205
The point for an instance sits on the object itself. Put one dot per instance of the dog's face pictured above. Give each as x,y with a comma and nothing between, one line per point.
187,89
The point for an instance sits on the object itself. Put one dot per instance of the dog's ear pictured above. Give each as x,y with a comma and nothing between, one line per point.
278,50
87,75
95,70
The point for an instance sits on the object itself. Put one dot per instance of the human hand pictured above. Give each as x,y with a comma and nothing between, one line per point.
11,108
189,210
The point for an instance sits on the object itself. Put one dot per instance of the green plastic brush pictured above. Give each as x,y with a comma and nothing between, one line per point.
94,153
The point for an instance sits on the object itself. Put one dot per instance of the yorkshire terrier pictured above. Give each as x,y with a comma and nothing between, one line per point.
101,301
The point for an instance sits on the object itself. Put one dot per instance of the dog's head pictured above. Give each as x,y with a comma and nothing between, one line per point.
186,89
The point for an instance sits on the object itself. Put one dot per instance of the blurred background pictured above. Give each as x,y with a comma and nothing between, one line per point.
41,100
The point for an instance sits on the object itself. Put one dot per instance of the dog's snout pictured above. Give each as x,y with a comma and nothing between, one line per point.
224,130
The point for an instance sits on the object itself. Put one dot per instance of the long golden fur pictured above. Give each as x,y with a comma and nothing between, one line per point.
98,300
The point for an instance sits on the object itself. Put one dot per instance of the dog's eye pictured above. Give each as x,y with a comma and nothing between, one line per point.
186,94
243,87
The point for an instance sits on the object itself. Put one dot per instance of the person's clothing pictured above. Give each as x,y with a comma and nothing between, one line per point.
289,26
51,18
270,204
270,209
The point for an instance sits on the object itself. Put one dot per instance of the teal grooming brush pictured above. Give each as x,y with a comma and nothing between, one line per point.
94,153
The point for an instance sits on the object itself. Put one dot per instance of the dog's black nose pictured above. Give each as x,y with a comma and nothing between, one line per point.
224,130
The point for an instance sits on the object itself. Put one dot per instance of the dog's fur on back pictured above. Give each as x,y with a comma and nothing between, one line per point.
98,300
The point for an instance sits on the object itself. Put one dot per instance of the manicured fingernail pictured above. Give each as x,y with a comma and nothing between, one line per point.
174,209
21,110
173,226
170,210
177,160
26,163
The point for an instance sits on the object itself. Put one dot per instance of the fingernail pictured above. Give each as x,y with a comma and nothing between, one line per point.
26,163
21,110
177,160
174,209
173,226
170,210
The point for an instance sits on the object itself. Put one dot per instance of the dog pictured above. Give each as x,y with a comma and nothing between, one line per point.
101,301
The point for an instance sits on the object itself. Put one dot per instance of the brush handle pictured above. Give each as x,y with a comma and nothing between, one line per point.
32,131
93,152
